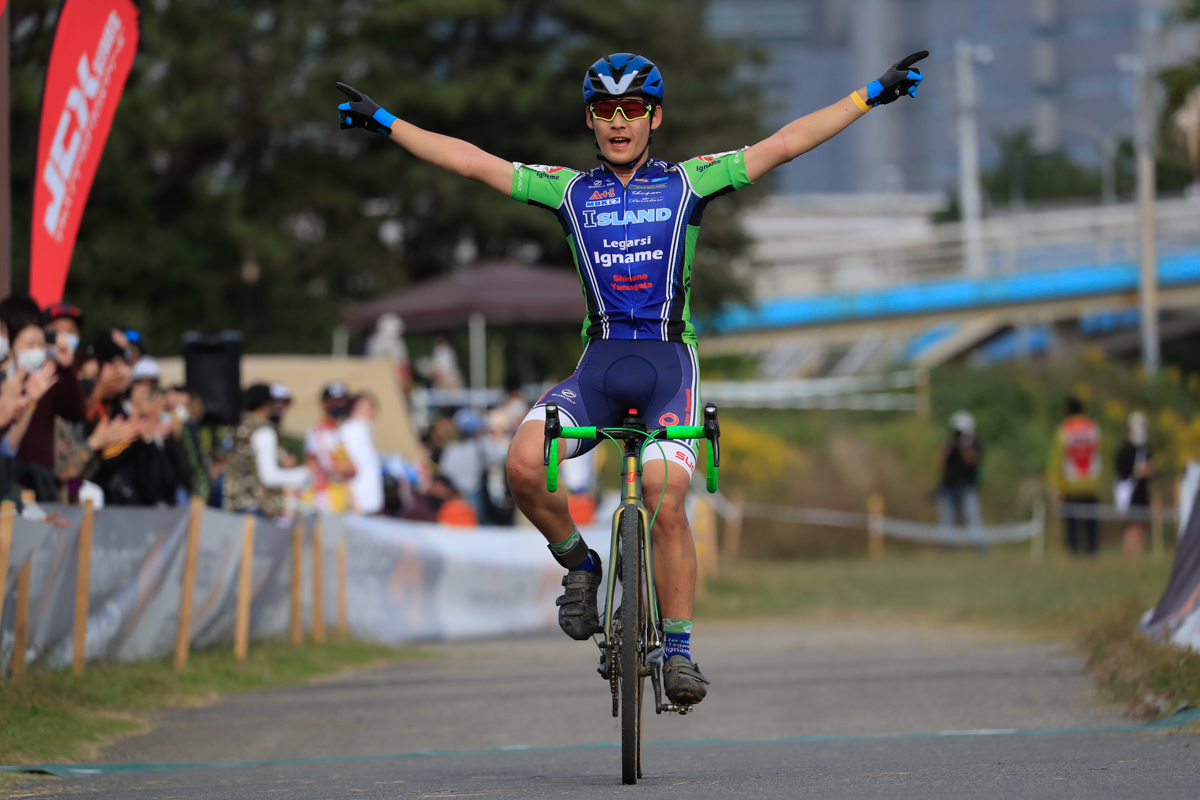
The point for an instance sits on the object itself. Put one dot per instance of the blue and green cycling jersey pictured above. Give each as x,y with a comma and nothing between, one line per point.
633,245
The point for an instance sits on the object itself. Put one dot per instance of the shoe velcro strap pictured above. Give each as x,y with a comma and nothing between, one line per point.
578,579
690,670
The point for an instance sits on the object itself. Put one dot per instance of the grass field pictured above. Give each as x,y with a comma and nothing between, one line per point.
54,717
1094,603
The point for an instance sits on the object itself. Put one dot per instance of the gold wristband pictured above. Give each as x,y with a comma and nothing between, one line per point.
858,101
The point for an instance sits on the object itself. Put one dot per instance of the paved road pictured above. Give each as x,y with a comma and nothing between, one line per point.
855,711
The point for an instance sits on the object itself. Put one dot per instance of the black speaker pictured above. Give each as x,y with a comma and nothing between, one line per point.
213,369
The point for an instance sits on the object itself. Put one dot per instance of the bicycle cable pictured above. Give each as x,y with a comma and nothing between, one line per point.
650,438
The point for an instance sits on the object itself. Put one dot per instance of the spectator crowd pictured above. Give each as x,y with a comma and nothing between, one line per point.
90,421
93,420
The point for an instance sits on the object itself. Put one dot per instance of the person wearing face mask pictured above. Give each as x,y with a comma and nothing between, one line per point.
324,452
1134,466
196,466
281,401
17,392
64,398
156,467
254,480
64,320
110,432
366,488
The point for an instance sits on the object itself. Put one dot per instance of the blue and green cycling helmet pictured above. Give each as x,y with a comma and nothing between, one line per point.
622,74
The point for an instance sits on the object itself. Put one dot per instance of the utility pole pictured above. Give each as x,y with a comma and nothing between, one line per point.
969,193
1148,268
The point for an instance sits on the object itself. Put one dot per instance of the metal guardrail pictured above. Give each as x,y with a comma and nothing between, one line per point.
1037,240
850,392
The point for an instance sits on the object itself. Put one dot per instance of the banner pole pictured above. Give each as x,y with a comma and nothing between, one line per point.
343,623
5,157
187,597
21,623
318,582
83,579
296,628
241,636
8,512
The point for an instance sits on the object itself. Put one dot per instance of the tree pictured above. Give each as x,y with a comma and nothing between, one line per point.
1023,174
228,198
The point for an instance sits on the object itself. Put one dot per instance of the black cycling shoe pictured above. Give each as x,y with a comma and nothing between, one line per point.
578,614
683,682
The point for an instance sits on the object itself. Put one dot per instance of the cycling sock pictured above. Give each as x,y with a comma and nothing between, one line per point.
678,636
573,553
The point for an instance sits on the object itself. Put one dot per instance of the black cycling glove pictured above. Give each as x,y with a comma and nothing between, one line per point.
898,80
363,112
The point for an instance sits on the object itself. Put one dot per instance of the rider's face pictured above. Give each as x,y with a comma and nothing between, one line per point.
621,139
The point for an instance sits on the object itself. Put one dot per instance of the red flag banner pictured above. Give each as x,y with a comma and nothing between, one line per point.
94,47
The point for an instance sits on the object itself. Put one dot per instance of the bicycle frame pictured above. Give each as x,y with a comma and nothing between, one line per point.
631,500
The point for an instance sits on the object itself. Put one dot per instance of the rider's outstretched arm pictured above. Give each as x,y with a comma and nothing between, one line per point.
798,137
452,155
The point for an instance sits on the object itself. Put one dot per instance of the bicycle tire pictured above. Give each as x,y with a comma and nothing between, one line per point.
631,626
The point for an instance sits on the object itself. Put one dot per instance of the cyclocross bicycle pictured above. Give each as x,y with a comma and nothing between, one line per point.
631,649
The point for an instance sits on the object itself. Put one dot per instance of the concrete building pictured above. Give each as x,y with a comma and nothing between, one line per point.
1053,71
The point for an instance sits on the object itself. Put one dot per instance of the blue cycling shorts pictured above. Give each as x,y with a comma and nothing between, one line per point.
659,379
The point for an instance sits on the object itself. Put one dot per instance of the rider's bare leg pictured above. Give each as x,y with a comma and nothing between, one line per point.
673,550
527,482
578,611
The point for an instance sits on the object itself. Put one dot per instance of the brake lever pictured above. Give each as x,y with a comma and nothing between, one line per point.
553,431
712,431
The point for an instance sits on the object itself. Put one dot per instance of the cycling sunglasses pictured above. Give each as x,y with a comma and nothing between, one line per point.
631,109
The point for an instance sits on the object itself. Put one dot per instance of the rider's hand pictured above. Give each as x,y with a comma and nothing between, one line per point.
898,80
363,112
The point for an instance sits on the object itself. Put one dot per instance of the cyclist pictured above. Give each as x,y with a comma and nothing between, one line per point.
632,224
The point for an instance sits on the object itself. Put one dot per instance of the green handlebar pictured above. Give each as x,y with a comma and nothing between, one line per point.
579,433
710,469
669,432
685,431
552,469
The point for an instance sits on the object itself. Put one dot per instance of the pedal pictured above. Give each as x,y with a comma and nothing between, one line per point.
671,708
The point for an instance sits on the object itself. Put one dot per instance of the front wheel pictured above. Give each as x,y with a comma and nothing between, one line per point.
631,625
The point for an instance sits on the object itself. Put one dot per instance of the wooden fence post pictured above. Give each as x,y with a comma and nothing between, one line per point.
924,404
83,580
296,628
1037,542
343,622
21,623
875,526
318,582
8,513
241,631
733,526
1157,540
187,597
704,533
